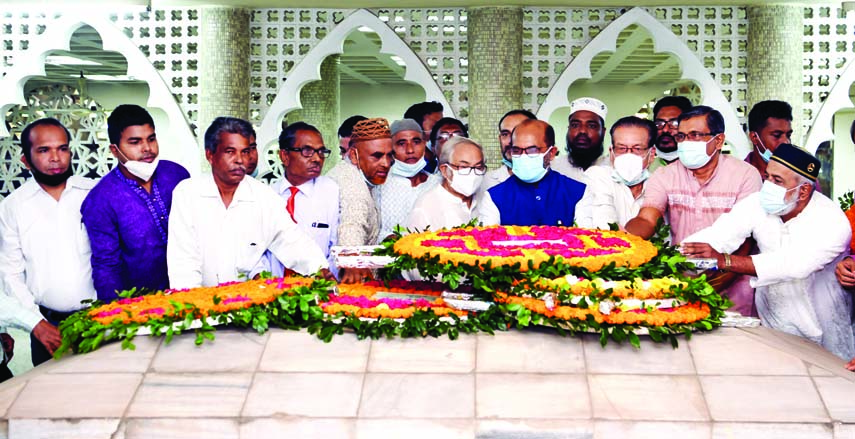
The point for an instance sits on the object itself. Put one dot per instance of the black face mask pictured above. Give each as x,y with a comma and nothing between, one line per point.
51,180
584,157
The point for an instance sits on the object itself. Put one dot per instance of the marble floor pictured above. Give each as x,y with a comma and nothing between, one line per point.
732,383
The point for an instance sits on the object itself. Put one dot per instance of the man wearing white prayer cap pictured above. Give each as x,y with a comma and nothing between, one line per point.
585,134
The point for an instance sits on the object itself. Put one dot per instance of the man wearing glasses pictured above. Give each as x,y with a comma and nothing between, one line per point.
618,190
311,200
534,195
665,114
694,191
444,129
408,179
453,202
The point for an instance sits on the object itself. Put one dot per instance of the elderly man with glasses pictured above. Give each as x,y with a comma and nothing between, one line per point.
311,200
534,195
694,191
452,203
618,190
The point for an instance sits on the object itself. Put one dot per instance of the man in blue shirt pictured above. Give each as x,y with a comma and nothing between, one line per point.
127,213
534,194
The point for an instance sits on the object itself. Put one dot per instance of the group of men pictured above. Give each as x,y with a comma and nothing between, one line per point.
149,225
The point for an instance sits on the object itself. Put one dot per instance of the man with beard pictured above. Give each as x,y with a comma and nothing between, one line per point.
506,127
127,213
665,114
585,134
223,223
44,250
534,195
371,156
408,180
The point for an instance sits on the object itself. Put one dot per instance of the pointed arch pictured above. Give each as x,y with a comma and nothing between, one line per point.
821,129
663,41
308,70
181,145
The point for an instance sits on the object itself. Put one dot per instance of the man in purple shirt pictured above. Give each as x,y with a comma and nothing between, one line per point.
127,213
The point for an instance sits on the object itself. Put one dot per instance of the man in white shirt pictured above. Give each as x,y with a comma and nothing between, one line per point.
801,235
586,131
408,180
311,199
15,315
617,191
452,203
221,224
44,248
506,127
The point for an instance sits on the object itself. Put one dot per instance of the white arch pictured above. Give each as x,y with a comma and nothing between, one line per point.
821,130
663,41
308,70
179,144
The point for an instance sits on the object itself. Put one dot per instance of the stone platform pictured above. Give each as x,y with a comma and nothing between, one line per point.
733,383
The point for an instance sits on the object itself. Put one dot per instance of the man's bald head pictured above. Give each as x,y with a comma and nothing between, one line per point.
538,128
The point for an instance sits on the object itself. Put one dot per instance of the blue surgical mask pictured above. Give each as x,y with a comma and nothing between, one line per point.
766,154
254,173
773,199
507,163
529,168
693,154
407,170
667,156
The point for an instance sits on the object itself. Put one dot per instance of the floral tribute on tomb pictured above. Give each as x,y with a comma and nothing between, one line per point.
478,279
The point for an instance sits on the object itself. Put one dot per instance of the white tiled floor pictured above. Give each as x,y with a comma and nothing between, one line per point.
728,384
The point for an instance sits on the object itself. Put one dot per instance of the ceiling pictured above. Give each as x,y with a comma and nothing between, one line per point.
85,57
634,62
362,62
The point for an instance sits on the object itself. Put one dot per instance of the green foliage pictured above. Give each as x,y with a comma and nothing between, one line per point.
846,201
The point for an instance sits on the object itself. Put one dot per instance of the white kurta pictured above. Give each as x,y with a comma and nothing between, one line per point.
210,244
44,248
440,209
611,201
494,177
395,200
797,291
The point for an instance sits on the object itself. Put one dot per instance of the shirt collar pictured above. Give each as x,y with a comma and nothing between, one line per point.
31,187
243,192
306,188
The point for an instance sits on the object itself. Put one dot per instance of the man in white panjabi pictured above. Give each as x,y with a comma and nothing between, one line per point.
617,191
452,203
802,235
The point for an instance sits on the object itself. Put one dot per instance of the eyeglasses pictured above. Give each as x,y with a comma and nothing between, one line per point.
446,136
466,170
530,151
660,123
693,136
635,150
308,152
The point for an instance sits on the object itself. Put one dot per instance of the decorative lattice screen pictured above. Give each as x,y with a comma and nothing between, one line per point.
85,119
438,37
279,40
829,42
553,37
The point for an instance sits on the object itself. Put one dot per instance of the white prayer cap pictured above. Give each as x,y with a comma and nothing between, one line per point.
593,105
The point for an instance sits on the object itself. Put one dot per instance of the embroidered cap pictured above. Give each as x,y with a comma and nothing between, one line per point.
798,160
370,129
593,105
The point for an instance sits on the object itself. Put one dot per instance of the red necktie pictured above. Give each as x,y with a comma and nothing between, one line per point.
290,205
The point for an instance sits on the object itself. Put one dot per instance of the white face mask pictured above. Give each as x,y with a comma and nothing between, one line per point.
693,154
142,170
667,156
465,185
773,199
629,168
407,170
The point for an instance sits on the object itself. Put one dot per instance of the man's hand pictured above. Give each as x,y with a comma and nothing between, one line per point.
701,250
845,273
327,274
354,275
48,335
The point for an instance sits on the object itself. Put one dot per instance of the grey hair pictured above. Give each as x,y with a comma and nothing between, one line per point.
805,181
451,145
230,125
